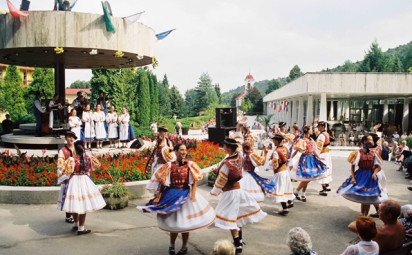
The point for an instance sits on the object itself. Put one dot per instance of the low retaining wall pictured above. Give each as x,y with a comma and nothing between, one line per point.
49,195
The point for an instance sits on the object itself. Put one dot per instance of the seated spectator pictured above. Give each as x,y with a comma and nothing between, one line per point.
404,136
395,136
223,247
391,235
352,138
366,229
299,242
406,217
342,139
386,151
7,125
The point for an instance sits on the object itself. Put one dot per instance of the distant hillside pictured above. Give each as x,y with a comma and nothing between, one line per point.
402,54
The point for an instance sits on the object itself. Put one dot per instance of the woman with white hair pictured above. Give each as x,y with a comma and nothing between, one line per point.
299,242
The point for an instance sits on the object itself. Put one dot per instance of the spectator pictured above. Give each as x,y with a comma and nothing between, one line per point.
223,247
404,136
7,125
352,138
342,139
391,235
406,217
366,229
395,136
386,151
299,242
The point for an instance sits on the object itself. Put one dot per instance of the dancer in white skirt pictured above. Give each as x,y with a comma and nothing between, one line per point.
283,131
111,119
251,182
124,120
236,207
99,120
284,189
81,194
323,142
75,124
64,169
179,208
87,118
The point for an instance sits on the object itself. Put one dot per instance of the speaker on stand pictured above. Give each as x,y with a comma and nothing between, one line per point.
226,120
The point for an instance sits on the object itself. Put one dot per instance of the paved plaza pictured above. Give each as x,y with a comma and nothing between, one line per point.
40,229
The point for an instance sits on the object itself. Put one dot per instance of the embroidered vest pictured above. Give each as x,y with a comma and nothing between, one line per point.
179,176
327,139
247,164
367,160
66,152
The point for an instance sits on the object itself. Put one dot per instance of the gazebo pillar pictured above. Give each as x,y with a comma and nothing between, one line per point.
323,108
60,80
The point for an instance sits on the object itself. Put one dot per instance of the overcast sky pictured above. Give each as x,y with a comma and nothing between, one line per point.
227,38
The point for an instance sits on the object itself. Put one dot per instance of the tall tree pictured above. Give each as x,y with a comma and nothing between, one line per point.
80,85
143,101
205,93
218,93
256,99
294,73
373,60
154,96
190,101
13,94
43,81
273,85
176,102
349,66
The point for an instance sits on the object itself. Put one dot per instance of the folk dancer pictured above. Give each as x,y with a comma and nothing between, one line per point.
89,131
279,164
251,182
236,207
111,119
162,153
363,184
179,207
99,120
323,142
82,195
124,120
63,170
288,137
75,124
38,110
310,166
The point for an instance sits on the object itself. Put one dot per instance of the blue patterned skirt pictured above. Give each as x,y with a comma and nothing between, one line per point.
310,168
171,200
268,186
365,191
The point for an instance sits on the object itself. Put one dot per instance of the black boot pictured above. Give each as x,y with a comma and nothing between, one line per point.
238,245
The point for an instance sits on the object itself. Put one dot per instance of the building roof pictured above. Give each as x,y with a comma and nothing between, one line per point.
346,85
74,91
249,77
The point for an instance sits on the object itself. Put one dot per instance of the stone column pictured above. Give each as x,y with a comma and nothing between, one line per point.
323,107
331,115
289,113
405,119
309,111
294,111
300,112
385,117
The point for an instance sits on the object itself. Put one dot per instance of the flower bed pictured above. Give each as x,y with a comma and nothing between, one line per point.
20,170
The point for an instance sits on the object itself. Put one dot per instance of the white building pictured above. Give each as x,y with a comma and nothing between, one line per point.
249,83
364,98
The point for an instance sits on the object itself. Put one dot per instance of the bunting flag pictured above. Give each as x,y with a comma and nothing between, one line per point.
287,106
163,35
107,10
133,18
16,13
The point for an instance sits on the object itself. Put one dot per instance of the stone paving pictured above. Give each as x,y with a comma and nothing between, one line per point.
40,229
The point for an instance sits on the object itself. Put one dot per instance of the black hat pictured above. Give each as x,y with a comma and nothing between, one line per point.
230,142
70,133
278,137
162,129
375,138
322,123
282,124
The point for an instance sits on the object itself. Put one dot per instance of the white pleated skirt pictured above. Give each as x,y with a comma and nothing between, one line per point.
284,187
236,208
328,175
382,185
193,215
153,184
249,184
82,196
100,131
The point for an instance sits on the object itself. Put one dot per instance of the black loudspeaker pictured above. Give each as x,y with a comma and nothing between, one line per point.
217,135
137,144
226,117
25,5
